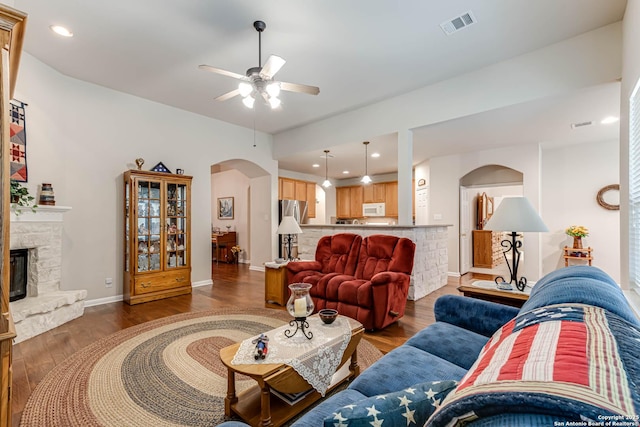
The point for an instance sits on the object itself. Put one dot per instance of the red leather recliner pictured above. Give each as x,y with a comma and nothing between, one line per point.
336,254
375,293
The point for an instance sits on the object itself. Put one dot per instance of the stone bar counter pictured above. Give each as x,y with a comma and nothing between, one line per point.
430,261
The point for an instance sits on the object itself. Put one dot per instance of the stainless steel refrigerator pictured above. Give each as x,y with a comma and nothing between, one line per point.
297,209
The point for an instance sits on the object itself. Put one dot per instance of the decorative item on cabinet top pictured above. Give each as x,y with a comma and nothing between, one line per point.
160,167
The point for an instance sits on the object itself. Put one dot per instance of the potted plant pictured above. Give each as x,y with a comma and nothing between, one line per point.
577,232
20,198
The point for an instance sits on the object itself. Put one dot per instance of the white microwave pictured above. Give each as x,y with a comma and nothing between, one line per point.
373,209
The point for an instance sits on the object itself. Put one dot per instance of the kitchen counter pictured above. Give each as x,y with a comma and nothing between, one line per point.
430,262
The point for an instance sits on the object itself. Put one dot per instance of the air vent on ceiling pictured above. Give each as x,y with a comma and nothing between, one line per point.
459,22
582,124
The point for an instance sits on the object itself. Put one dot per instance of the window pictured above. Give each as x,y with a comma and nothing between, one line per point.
634,188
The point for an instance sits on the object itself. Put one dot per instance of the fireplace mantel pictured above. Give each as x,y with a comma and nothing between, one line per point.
42,214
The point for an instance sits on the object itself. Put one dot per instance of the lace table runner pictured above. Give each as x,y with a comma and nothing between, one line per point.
315,360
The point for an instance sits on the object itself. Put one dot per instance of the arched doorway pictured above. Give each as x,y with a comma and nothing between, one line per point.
481,191
248,188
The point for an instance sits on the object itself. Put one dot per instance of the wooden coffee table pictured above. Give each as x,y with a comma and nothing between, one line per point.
487,290
255,405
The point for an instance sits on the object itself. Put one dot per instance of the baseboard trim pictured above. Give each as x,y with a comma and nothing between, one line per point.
257,268
102,301
202,283
453,274
120,298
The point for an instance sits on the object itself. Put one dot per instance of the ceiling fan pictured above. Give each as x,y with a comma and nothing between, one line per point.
258,81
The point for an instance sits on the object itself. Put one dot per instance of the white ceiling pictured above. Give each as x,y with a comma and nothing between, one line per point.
357,52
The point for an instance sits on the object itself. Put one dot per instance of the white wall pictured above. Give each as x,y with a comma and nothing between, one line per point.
82,137
571,178
630,76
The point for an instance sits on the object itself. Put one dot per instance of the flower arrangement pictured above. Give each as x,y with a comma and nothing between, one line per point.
236,249
577,231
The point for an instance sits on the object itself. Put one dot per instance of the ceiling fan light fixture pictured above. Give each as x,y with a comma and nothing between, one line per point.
273,89
274,102
245,89
248,101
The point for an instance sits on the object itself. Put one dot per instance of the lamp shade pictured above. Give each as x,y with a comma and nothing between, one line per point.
515,214
289,225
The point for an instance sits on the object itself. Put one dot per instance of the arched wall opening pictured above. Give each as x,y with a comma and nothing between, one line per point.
249,187
481,191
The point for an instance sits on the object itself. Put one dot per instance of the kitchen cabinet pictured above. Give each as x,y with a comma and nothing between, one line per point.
287,189
374,193
391,199
294,189
349,202
311,199
157,237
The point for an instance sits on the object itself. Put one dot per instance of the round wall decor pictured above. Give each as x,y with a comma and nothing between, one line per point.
601,201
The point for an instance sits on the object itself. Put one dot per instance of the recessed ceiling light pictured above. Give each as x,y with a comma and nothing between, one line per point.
375,155
609,120
345,172
315,165
62,31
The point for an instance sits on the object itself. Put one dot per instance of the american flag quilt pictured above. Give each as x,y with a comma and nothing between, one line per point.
577,362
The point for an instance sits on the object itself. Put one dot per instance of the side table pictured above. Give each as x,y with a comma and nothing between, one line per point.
275,283
487,290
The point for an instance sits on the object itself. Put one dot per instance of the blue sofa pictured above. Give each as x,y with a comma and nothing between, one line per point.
566,310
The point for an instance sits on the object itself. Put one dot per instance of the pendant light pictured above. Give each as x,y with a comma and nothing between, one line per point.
366,179
326,183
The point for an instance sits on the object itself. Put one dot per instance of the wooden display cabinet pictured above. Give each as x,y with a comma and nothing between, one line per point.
157,258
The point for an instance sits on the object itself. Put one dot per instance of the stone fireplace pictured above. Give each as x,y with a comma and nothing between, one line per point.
46,306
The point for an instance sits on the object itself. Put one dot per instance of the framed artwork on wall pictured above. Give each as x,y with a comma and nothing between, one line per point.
225,207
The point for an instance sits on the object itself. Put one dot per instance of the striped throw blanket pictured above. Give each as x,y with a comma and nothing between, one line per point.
576,362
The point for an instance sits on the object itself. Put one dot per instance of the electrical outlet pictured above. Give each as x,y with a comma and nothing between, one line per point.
108,282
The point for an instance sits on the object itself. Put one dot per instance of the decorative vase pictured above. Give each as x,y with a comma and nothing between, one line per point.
46,195
300,304
577,242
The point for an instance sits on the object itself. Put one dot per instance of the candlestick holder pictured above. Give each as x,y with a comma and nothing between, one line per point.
301,325
300,306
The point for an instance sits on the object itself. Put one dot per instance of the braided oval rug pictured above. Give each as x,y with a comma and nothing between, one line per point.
166,372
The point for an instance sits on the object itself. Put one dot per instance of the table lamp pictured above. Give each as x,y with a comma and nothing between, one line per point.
514,214
288,227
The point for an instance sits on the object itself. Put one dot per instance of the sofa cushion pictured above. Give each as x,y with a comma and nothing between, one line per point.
338,253
327,407
384,253
410,406
449,342
402,367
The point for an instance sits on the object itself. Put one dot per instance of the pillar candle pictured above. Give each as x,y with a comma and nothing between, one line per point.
300,307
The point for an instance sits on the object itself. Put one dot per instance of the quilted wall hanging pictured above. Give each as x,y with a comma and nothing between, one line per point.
18,138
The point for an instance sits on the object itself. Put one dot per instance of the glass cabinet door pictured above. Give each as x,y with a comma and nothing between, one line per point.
176,223
148,227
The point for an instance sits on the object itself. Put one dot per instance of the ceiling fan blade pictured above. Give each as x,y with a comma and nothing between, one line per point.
228,95
295,87
221,71
272,66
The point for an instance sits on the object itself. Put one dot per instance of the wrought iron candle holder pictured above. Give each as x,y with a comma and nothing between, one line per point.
300,306
301,325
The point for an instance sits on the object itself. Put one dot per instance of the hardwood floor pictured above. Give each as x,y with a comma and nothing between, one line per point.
234,286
